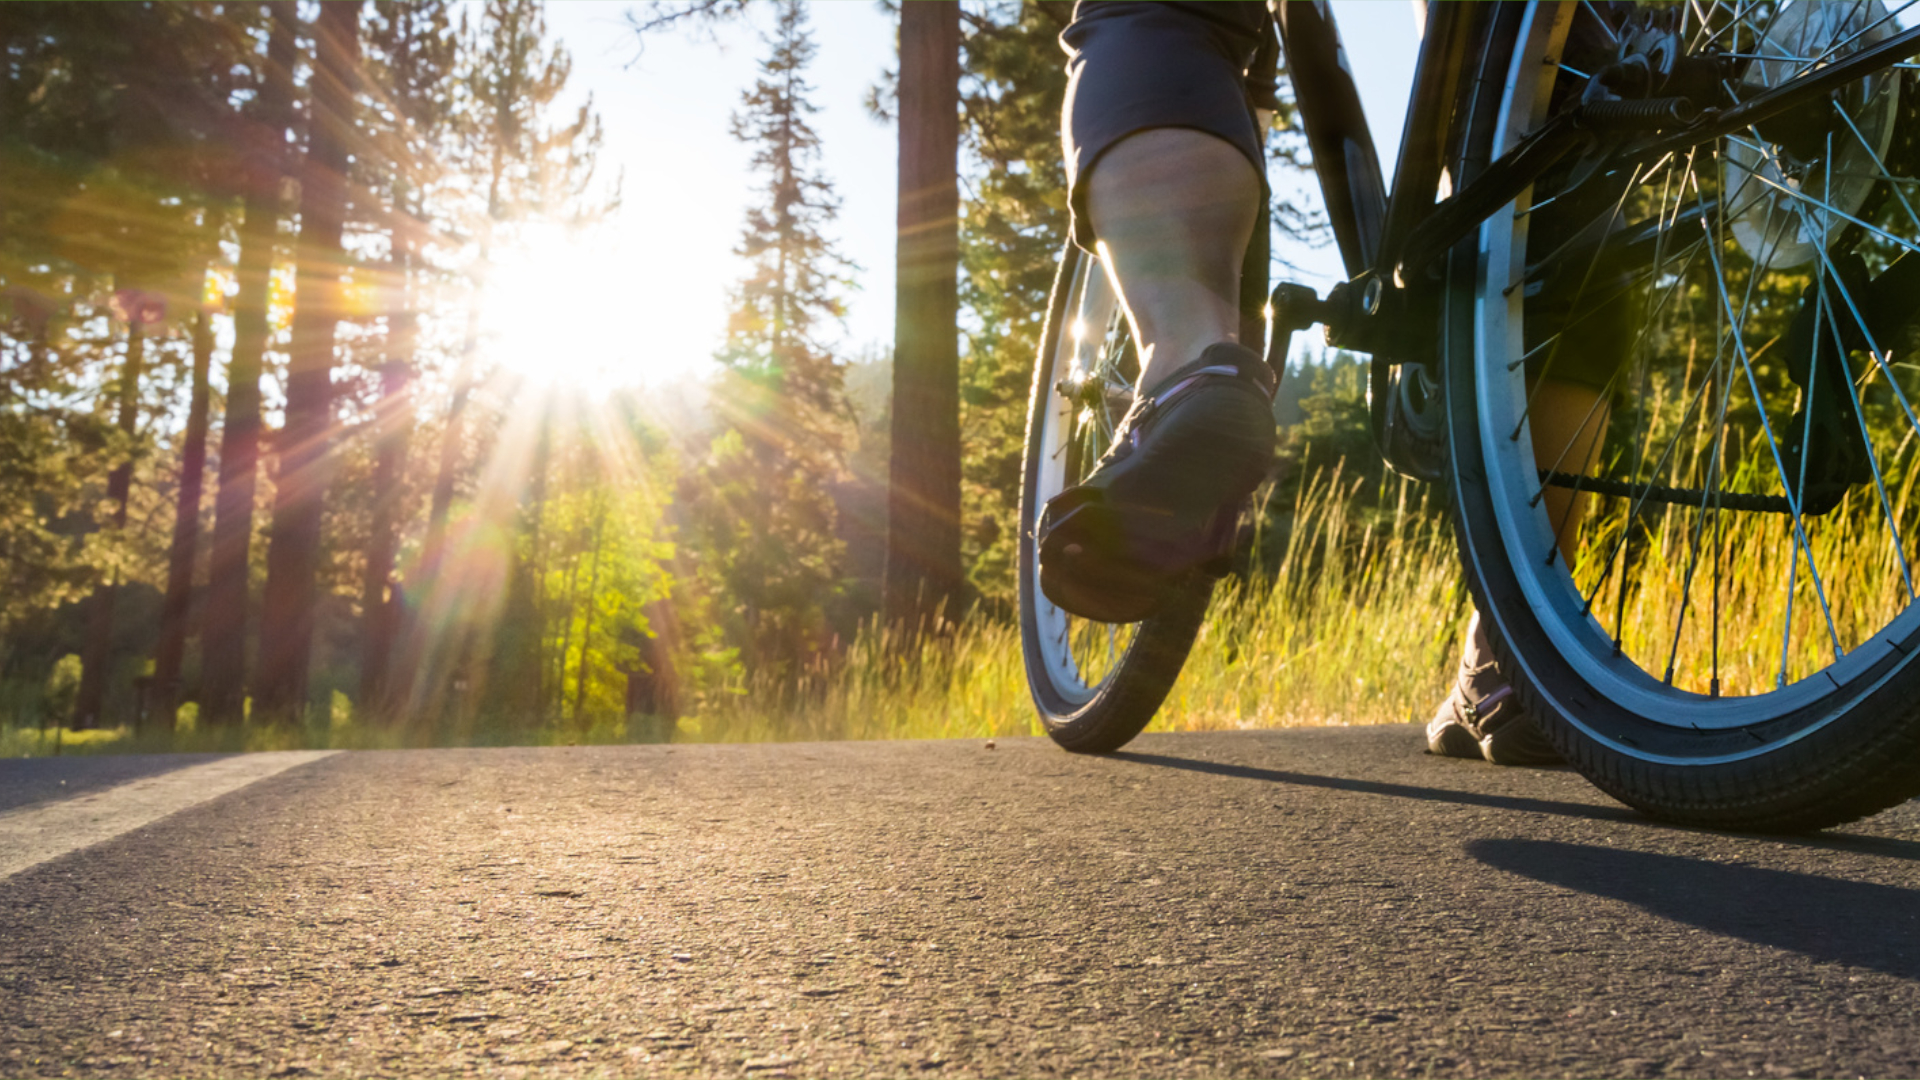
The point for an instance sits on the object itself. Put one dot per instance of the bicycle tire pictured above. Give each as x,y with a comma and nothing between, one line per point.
1088,700
1831,740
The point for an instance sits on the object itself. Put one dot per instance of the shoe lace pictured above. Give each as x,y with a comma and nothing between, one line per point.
1133,426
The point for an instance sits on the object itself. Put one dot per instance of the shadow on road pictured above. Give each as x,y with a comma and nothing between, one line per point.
1399,791
1830,919
1880,846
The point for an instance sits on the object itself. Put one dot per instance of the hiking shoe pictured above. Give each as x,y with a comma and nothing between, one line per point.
1482,719
1166,497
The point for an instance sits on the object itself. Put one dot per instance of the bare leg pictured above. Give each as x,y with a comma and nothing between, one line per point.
1477,719
1174,210
1568,420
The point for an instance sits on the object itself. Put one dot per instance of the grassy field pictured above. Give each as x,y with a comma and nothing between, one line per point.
1351,625
1355,619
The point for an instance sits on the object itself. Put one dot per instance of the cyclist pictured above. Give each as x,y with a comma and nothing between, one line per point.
1166,177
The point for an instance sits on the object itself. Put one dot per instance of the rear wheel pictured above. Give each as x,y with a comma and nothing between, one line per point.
1726,631
1095,685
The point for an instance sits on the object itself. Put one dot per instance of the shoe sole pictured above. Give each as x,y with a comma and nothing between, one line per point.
1117,555
1089,570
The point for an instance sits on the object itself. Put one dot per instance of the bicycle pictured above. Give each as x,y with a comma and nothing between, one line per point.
1734,639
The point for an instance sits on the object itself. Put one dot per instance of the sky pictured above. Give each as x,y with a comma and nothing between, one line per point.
652,281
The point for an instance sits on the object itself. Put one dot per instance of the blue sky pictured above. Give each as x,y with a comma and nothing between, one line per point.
663,264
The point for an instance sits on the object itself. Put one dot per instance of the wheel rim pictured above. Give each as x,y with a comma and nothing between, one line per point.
1088,386
1691,612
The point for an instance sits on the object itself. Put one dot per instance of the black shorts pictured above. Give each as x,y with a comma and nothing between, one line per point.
1136,66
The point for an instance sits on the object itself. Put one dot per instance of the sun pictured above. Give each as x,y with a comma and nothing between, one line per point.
556,311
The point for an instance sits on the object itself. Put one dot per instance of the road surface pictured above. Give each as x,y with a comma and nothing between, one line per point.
1306,902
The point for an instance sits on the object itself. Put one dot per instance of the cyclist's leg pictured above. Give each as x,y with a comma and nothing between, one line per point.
1162,157
1165,167
1568,416
1174,210
1568,420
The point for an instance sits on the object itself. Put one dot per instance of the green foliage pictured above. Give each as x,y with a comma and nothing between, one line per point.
1012,227
605,562
1325,420
509,146
735,560
62,683
1355,622
759,501
116,142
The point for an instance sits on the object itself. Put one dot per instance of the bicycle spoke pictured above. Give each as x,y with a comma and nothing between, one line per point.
1872,347
1873,460
1738,335
1739,20
1638,340
1793,501
1862,32
1900,65
1738,327
1546,366
1601,19
1639,348
1803,197
1638,278
1877,164
1709,492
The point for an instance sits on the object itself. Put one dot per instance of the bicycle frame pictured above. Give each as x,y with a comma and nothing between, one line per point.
1371,222
1391,239
1394,236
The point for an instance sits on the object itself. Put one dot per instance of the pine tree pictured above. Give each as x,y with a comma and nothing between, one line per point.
108,159
289,605
526,165
261,133
759,501
411,53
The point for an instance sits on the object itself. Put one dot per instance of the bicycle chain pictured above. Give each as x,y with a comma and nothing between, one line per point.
1661,493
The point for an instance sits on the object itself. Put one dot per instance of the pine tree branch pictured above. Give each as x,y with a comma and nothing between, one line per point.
694,16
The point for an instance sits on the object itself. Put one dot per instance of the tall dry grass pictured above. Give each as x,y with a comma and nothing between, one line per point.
1725,592
1351,624
1354,619
1357,620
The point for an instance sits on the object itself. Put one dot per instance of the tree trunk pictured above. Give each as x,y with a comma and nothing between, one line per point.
186,532
223,636
97,655
450,437
923,498
393,422
289,606
378,606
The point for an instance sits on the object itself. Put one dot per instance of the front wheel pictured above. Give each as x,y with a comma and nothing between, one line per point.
1095,685
1707,595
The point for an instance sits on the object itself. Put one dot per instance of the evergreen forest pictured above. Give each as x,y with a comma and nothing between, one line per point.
264,479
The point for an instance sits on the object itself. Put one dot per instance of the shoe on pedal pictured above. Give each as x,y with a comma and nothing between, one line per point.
1482,719
1166,497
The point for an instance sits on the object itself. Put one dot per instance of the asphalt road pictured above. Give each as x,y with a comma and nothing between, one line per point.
27,781
1309,902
